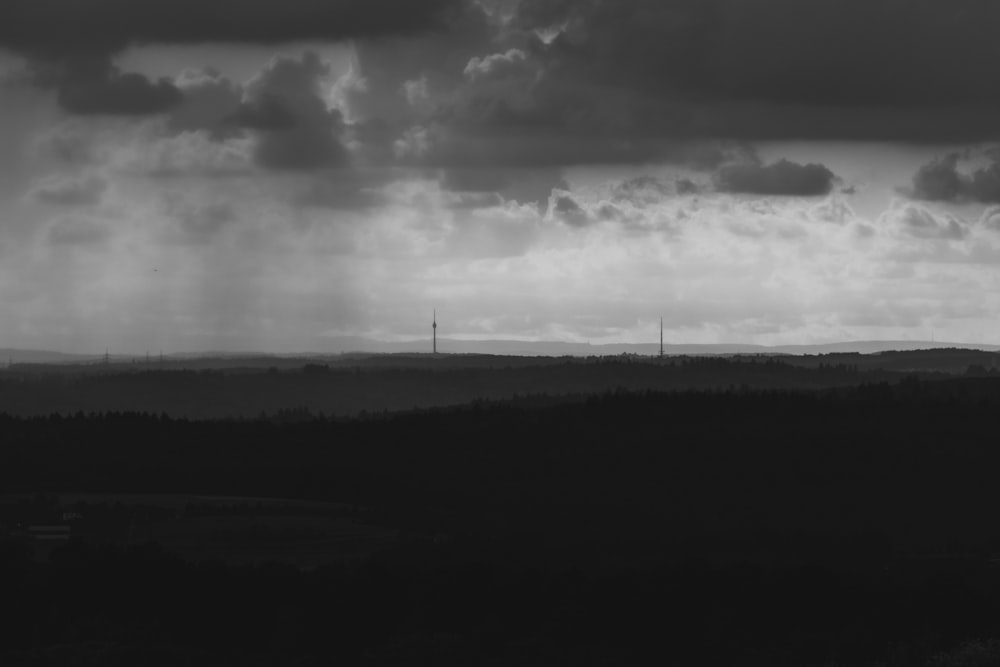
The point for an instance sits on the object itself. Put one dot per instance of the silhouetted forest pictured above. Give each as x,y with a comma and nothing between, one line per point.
910,462
851,523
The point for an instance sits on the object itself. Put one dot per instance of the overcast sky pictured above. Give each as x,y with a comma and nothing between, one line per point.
229,175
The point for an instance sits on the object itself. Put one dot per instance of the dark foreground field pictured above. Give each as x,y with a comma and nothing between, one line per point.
847,523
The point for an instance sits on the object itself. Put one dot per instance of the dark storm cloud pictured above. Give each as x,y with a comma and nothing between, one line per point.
552,146
920,70
941,180
823,52
70,44
581,81
780,178
295,129
985,185
210,101
301,148
62,29
564,207
119,94
94,86
483,96
267,113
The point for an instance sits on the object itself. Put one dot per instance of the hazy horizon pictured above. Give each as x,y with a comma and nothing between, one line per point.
503,347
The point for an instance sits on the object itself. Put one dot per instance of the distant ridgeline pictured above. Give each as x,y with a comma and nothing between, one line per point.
352,384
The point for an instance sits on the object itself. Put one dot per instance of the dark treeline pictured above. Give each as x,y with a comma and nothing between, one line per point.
374,386
908,465
781,527
945,360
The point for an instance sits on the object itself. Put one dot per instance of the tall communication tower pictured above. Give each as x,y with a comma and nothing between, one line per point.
661,337
434,328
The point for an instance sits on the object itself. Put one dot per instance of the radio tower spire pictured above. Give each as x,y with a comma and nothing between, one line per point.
434,328
661,337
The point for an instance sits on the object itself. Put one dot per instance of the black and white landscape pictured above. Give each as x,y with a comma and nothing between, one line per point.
499,332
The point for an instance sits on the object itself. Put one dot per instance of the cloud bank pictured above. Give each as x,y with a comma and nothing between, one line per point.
537,168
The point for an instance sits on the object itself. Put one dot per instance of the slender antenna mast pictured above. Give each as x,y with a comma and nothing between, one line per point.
434,328
661,336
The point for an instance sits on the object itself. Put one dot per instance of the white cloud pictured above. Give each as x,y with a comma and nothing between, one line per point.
417,92
414,143
494,64
920,222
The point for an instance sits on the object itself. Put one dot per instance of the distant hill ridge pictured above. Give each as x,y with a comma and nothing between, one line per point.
506,347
